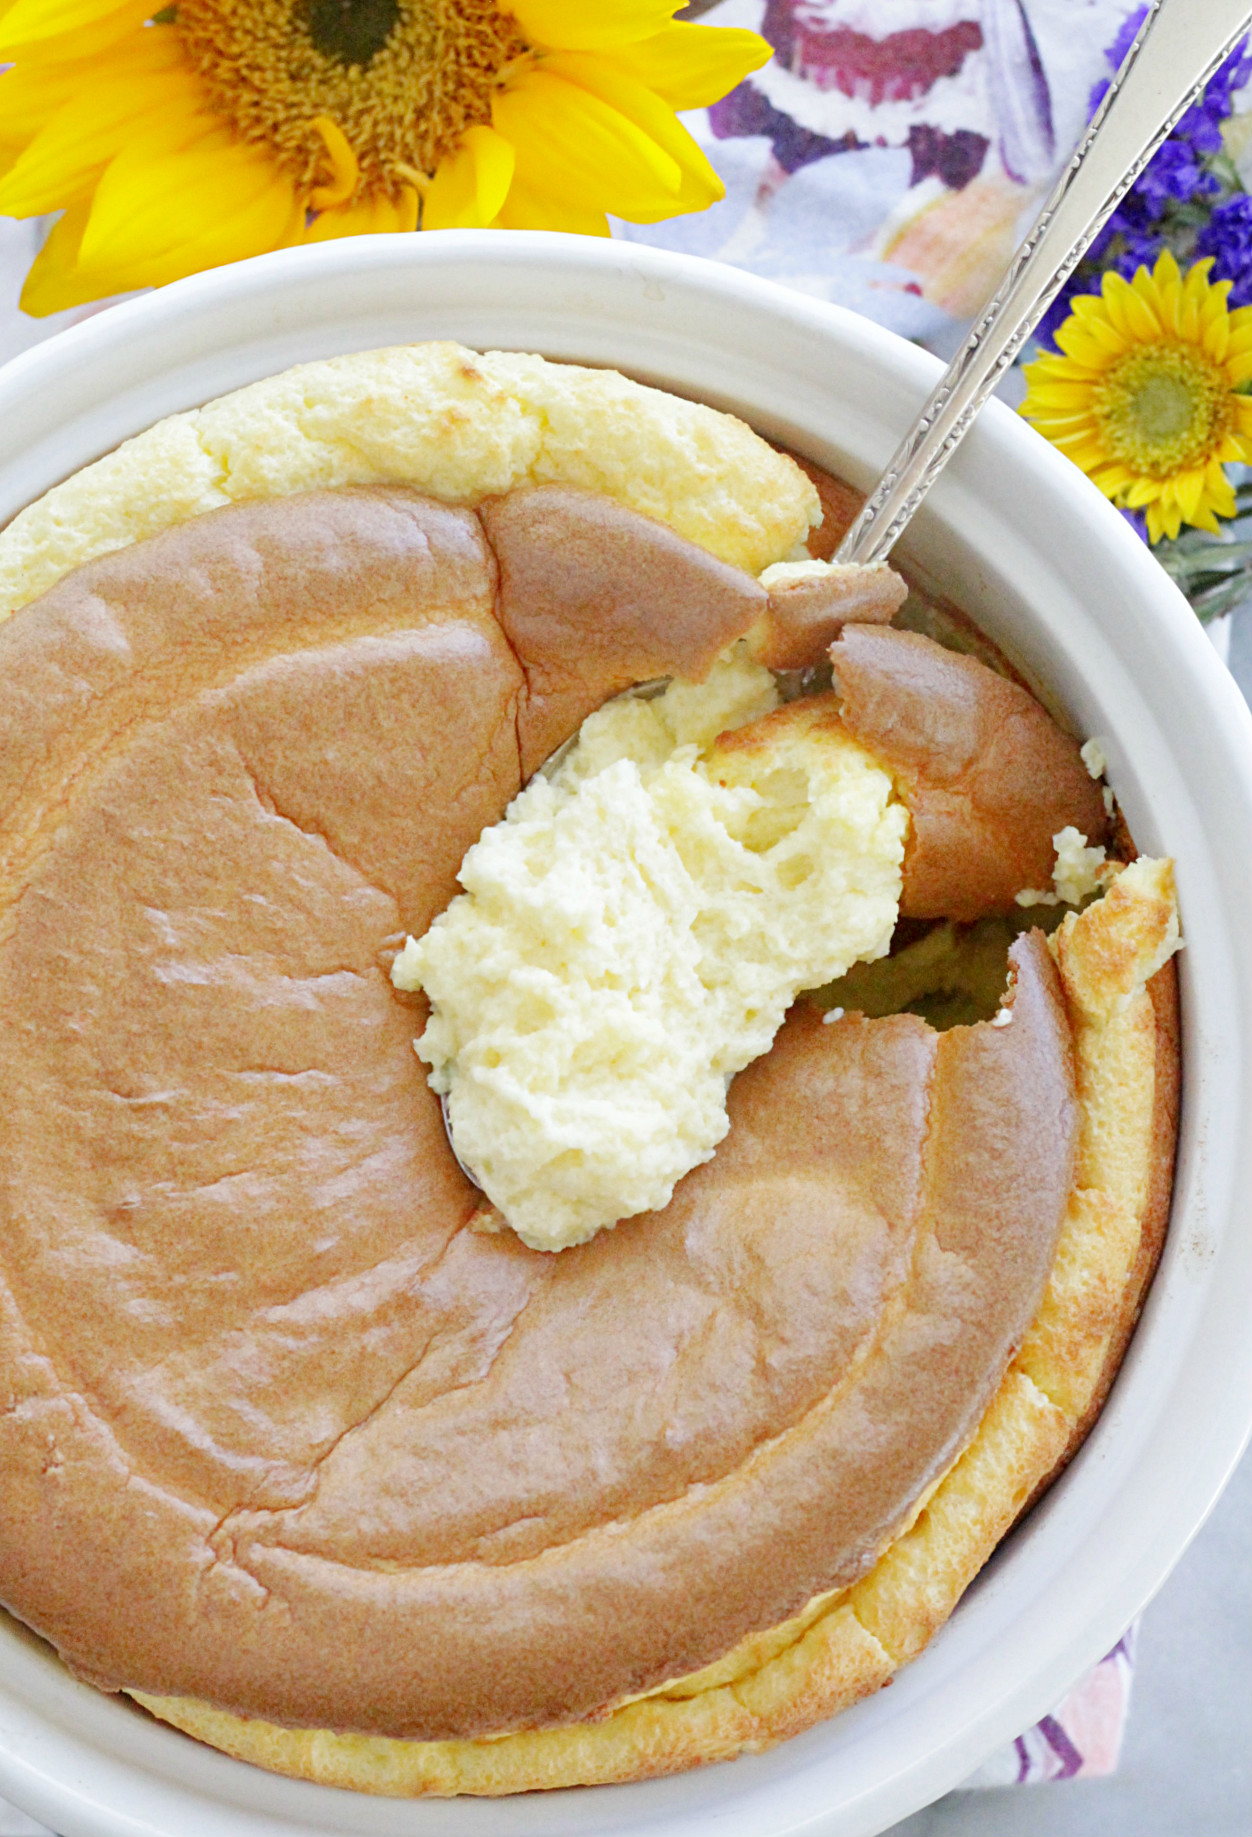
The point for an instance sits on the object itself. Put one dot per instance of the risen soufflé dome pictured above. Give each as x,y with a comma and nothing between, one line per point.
781,1303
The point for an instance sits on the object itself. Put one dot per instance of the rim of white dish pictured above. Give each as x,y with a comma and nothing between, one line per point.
1017,529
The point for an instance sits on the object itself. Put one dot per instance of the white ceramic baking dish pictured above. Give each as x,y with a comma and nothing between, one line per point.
1016,536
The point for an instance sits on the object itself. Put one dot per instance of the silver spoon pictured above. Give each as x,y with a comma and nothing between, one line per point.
1180,45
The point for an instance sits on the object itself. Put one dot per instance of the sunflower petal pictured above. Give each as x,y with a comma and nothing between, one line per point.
1142,316
1189,490
1113,288
525,209
1169,301
1110,491
25,104
1241,329
699,185
53,282
29,22
86,132
575,25
33,90
690,66
470,186
578,150
1216,295
56,280
1040,406
1218,495
30,93
1216,337
1079,345
1113,479
374,215
1188,318
91,42
345,169
1064,434
1085,452
1072,435
1194,294
1098,327
1075,395
1047,365
170,187
1115,293
1072,429
1165,273
1088,305
1170,514
268,221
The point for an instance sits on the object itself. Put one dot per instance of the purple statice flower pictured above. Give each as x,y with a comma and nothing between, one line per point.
1202,124
1115,55
1173,172
1227,237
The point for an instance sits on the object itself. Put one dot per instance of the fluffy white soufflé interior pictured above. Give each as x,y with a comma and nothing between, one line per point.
1079,874
631,935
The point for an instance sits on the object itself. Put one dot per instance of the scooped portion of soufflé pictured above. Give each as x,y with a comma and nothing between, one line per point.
632,935
302,1448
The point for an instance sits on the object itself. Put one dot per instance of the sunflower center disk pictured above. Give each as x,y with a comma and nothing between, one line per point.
1163,408
351,31
402,79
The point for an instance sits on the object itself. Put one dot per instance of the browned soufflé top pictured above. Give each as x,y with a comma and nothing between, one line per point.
282,1430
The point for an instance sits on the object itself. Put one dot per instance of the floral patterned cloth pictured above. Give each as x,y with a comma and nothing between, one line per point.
893,153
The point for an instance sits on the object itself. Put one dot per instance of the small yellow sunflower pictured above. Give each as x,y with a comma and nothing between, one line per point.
216,129
1146,396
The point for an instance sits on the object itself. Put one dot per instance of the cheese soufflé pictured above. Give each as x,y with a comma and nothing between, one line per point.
304,1447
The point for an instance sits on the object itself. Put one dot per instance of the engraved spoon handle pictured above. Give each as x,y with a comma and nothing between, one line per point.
1180,45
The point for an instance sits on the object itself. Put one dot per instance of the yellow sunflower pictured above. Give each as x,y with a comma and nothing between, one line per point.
215,129
1146,394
